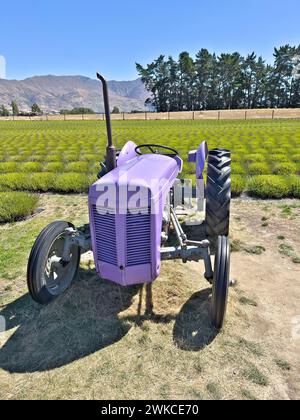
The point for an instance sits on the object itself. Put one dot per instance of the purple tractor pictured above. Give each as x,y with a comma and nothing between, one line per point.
132,211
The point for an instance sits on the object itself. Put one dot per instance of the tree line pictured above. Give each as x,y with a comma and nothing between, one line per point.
77,111
35,110
225,81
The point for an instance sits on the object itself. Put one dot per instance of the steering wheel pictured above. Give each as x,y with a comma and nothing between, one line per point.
155,149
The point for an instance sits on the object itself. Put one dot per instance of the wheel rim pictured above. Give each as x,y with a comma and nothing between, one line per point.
58,274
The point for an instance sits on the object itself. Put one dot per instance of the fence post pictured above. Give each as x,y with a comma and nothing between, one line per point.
219,115
146,116
273,114
193,115
246,115
169,115
123,116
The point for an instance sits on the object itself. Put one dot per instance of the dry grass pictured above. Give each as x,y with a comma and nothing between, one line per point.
234,114
92,343
96,342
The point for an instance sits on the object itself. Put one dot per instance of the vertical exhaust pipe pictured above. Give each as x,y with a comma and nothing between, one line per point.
111,152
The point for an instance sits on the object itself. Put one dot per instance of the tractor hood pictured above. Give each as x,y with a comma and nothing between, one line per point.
125,224
156,173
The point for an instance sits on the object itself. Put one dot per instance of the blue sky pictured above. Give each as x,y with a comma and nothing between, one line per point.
80,37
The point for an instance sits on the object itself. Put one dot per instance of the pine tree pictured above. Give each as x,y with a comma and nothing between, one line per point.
4,111
15,108
36,110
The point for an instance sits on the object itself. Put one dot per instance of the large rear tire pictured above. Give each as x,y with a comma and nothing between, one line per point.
48,276
220,282
218,193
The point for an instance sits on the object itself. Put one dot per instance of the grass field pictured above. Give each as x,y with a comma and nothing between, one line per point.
95,341
63,156
258,147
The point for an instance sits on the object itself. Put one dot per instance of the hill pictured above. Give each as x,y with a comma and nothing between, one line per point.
53,93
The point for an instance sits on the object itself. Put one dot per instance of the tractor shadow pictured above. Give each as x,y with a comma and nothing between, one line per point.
195,232
81,322
193,330
87,319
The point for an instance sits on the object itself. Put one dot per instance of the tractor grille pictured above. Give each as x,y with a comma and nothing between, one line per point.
138,235
105,231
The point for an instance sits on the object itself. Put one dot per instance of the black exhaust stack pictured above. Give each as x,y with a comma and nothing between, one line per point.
111,152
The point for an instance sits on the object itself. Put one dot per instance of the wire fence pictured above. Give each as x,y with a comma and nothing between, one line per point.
239,114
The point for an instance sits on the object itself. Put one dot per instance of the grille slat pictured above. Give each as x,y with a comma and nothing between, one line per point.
138,238
105,231
138,234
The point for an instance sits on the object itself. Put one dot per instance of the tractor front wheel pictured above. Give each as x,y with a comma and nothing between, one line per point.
48,275
220,282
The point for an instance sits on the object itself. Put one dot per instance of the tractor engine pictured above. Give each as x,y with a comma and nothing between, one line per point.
126,216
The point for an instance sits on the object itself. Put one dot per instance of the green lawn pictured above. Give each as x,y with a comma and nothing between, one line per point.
63,156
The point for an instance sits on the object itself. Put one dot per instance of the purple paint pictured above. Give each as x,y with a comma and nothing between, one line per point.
127,153
199,157
126,243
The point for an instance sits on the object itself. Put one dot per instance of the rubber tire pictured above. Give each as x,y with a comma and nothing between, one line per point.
40,249
218,193
220,283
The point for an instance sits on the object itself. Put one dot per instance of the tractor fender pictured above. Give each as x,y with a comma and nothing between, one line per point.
199,158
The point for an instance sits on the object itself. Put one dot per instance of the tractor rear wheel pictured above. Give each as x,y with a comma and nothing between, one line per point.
220,282
48,276
218,193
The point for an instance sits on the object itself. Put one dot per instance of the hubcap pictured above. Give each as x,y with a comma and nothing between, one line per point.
58,273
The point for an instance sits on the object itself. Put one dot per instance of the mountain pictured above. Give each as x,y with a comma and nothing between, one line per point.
53,93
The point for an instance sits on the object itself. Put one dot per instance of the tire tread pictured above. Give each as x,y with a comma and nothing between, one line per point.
218,193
